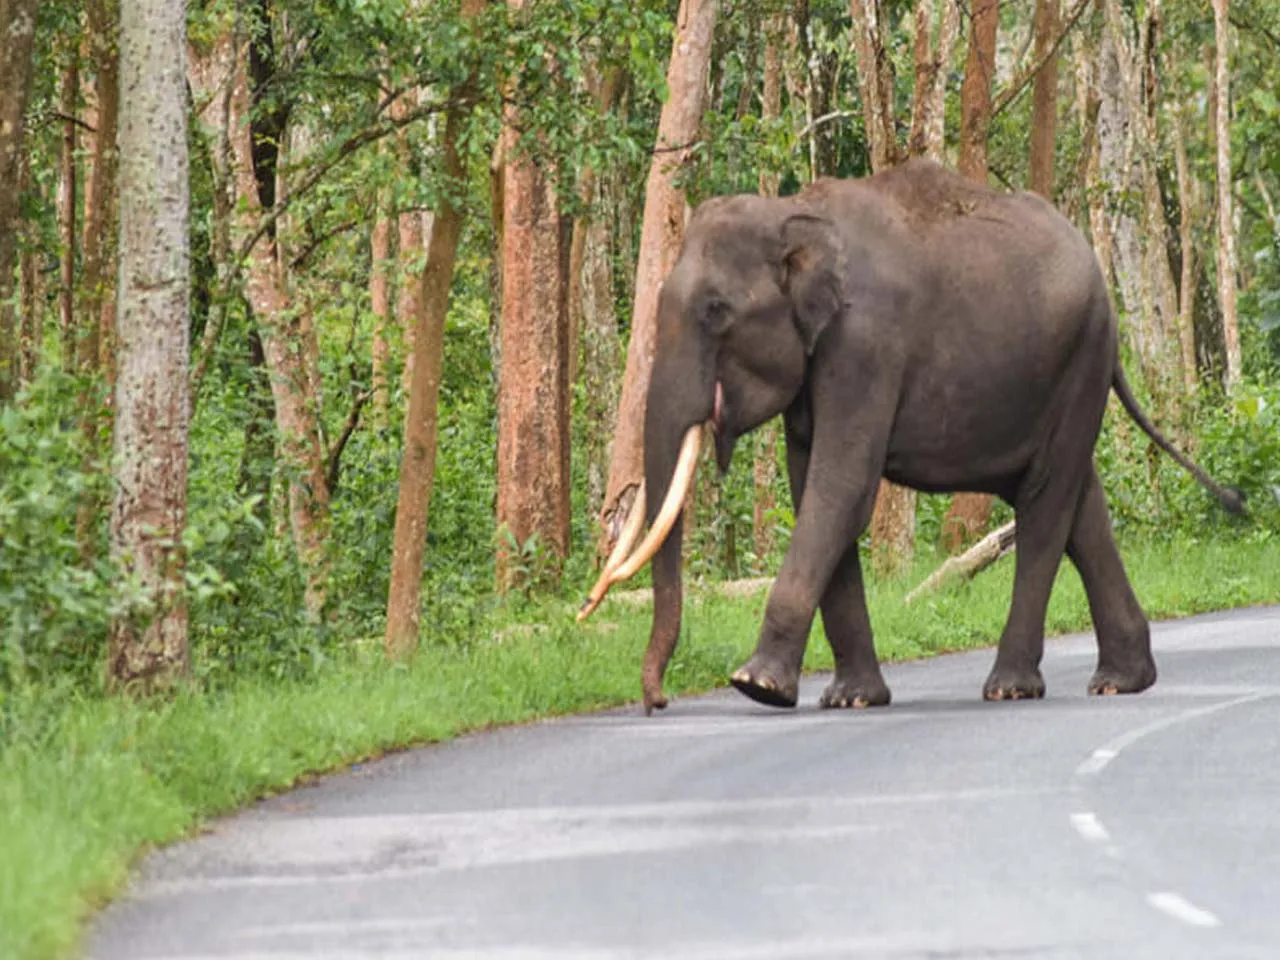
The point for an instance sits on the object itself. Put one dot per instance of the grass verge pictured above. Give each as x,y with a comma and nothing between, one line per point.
88,784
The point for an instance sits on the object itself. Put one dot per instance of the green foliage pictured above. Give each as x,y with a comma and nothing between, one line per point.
54,606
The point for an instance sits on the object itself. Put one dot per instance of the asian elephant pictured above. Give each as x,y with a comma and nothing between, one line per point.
910,325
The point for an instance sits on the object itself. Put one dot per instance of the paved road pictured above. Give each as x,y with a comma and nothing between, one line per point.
940,827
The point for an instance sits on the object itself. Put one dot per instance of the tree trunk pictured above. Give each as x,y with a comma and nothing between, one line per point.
380,304
533,389
764,473
1188,204
875,83
99,216
949,29
1089,110
601,347
99,223
922,52
1044,104
68,100
932,57
148,642
32,333
258,453
1227,264
211,72
284,338
660,238
893,528
1126,145
18,27
417,466
593,324
969,513
975,91
412,251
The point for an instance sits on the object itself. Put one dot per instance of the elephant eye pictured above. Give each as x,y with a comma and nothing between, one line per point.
716,315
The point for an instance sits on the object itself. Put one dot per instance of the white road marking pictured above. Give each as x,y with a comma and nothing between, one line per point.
1090,827
1180,908
1097,761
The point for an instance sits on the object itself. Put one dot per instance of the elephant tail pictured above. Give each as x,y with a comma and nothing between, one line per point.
1231,498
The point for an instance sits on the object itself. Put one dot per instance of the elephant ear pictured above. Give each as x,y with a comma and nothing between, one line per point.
811,274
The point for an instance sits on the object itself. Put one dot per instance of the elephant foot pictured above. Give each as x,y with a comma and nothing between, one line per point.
654,698
1108,681
856,692
1008,684
770,684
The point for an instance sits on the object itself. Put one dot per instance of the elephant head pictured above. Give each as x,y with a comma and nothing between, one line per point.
757,282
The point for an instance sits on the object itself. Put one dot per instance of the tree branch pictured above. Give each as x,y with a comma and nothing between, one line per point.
1024,76
317,241
974,560
334,467
354,142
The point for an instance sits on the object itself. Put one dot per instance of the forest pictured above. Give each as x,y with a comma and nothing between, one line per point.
384,405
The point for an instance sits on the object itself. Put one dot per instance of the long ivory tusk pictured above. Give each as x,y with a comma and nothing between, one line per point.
671,507
626,540
681,477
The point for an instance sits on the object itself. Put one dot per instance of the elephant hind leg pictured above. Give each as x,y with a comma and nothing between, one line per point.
1125,663
1045,505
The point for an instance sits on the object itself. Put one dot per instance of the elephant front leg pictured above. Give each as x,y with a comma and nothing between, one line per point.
858,681
827,527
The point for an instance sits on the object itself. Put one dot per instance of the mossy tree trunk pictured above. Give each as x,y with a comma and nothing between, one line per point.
148,641
18,27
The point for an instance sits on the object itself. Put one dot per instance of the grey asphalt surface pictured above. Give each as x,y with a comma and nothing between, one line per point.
939,827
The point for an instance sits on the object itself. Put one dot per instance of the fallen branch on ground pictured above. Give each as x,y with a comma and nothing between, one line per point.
968,564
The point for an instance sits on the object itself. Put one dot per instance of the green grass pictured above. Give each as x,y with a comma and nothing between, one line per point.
86,785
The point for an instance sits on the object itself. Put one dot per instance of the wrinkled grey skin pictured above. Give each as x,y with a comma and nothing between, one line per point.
913,326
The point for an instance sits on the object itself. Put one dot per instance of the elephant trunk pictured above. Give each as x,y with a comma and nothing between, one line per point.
665,481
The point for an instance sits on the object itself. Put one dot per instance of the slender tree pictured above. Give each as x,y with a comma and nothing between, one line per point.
932,57
593,323
765,466
975,91
284,332
1044,104
148,642
18,27
68,206
893,527
969,513
380,305
411,247
99,217
417,465
661,234
1188,213
1227,260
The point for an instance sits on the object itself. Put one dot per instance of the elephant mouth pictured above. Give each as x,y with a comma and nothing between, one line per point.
724,438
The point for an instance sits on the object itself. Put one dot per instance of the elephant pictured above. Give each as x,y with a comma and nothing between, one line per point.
911,325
